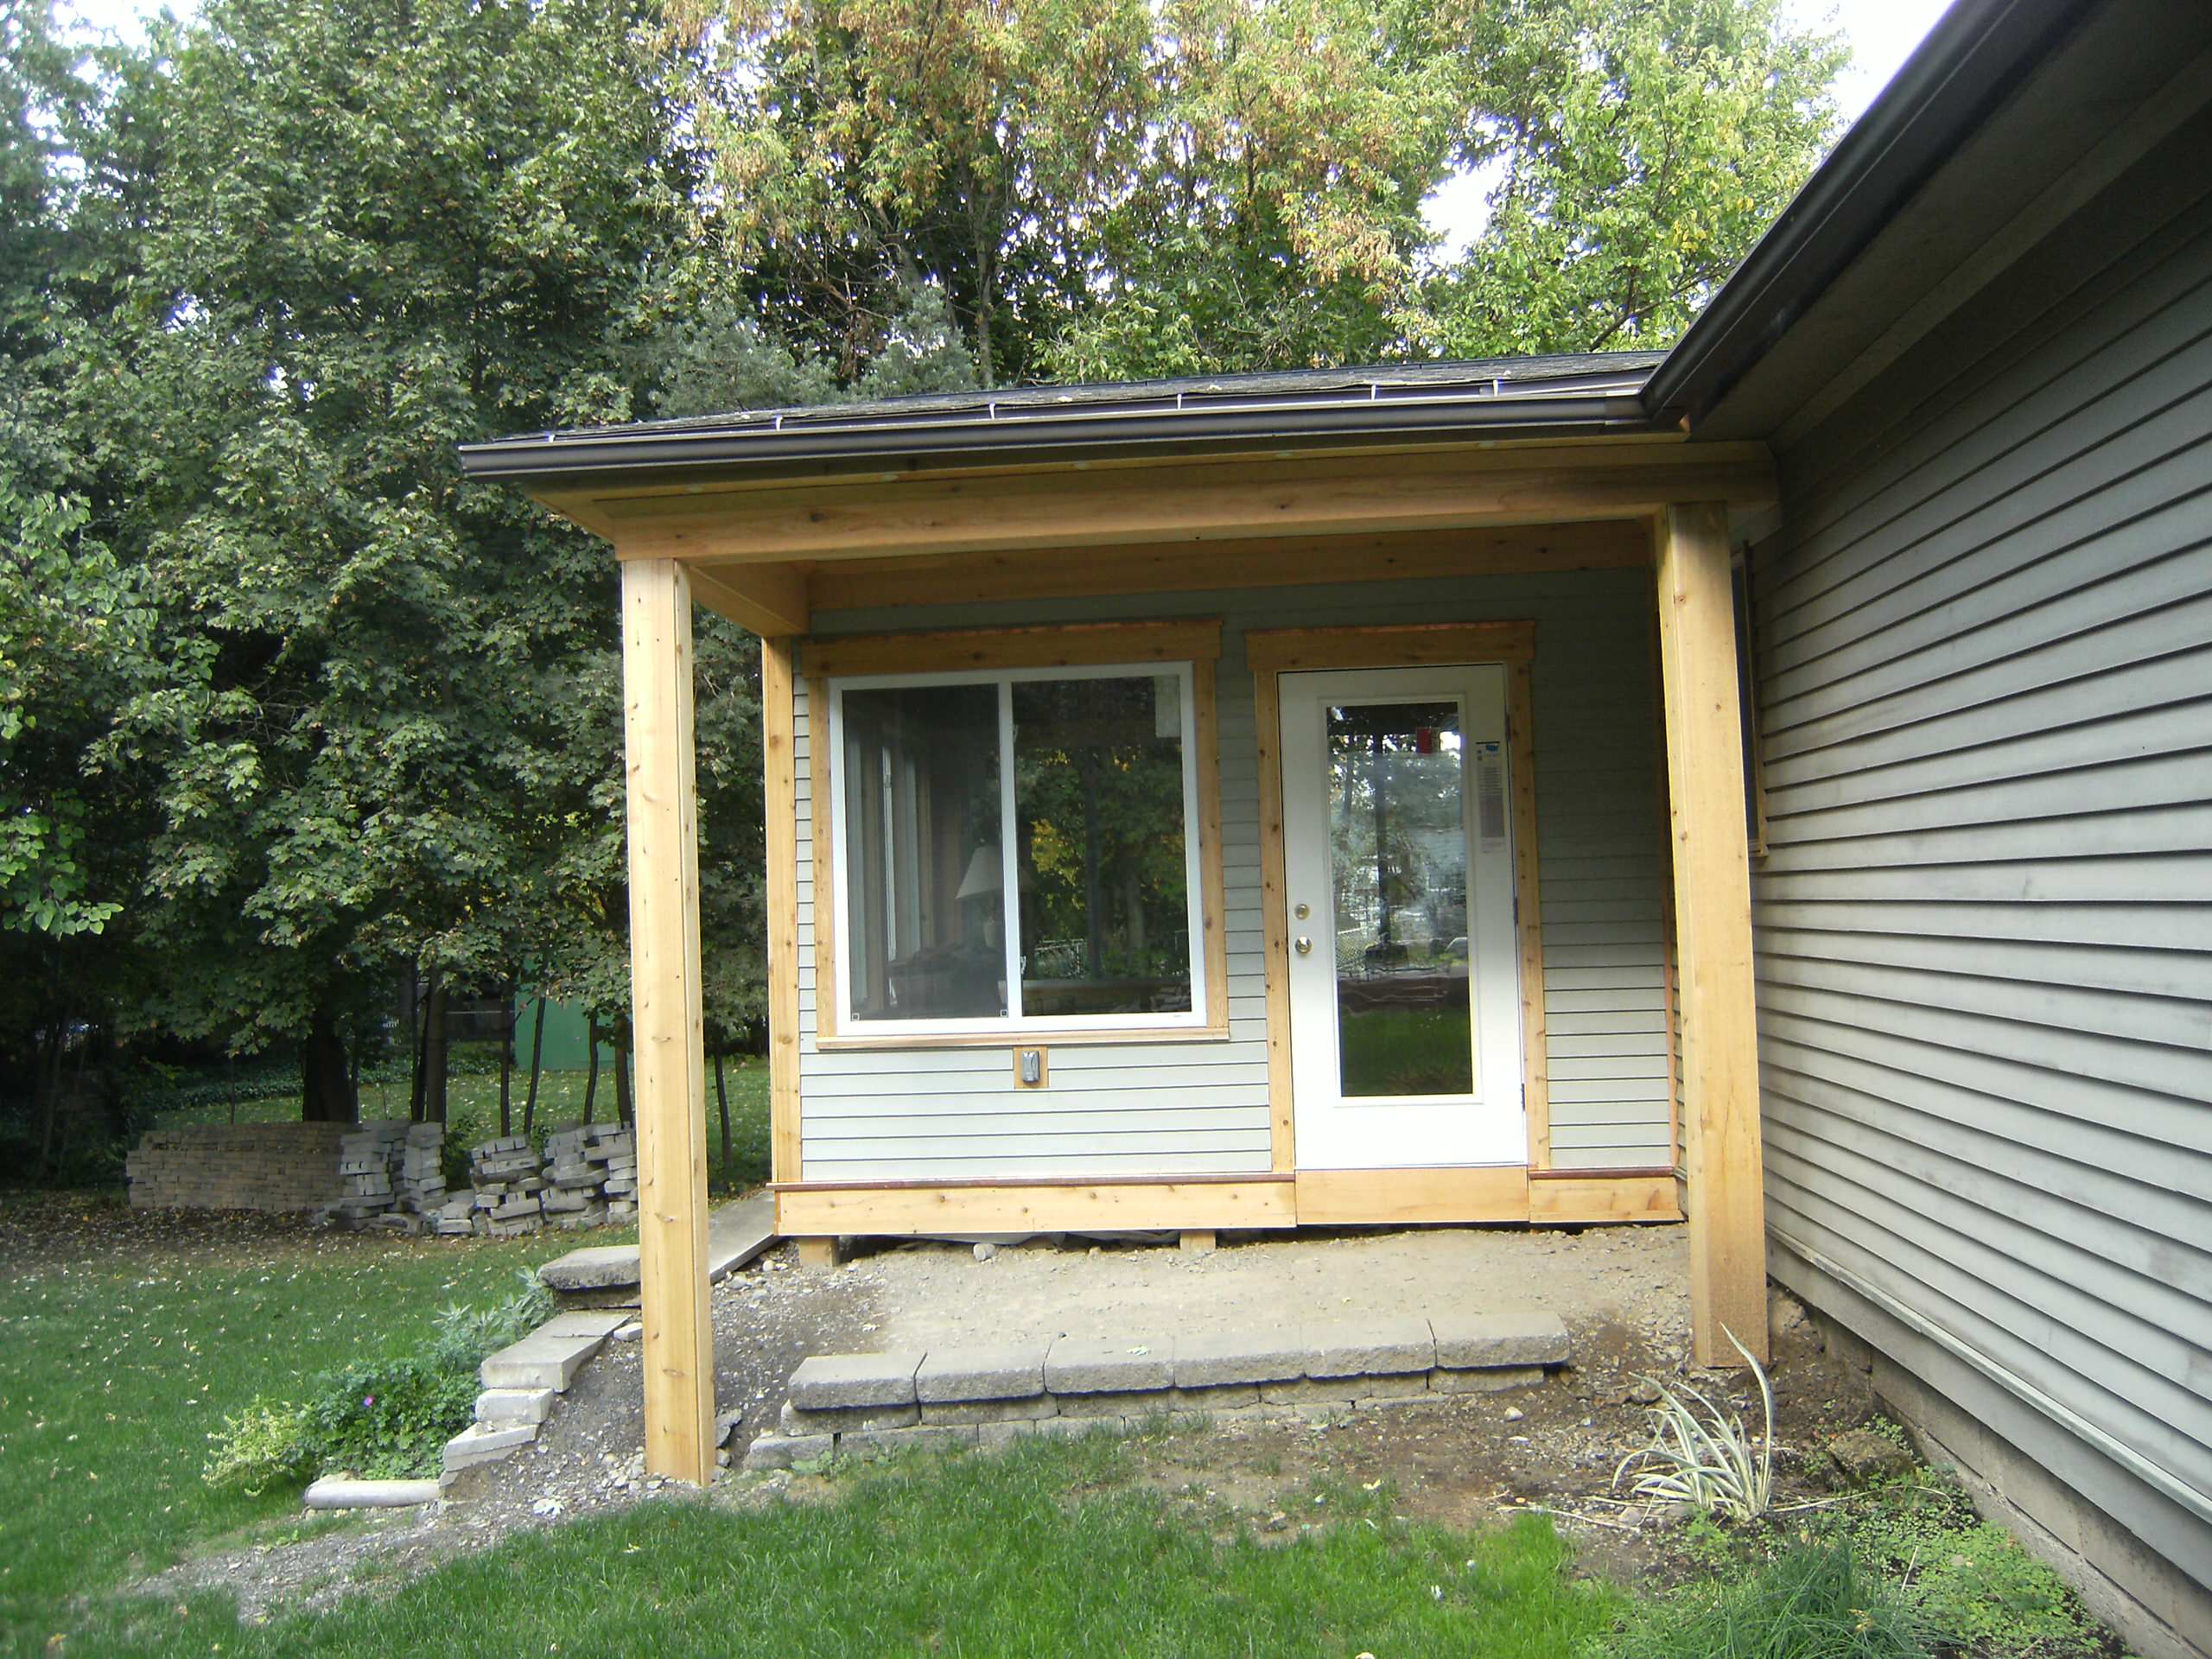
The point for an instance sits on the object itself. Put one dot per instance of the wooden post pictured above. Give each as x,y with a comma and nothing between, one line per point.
667,1028
1712,932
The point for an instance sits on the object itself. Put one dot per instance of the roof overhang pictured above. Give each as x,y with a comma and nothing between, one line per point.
2009,118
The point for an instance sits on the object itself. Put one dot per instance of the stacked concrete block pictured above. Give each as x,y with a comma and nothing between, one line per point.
507,1184
572,1198
421,1173
870,1405
266,1167
366,1157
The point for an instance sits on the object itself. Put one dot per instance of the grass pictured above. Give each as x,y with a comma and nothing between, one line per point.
126,1339
1050,1549
1815,1601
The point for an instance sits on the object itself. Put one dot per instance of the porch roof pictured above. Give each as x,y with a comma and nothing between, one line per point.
1594,392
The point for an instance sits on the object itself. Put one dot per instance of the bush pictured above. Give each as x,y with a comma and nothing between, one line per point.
386,1419
265,1444
1815,1602
390,1420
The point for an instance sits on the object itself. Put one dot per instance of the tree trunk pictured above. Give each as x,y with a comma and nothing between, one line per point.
591,1071
537,1049
721,1096
622,1106
417,1034
508,1061
51,1069
434,1051
326,1086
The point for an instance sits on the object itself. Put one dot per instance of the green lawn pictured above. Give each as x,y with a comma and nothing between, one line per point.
1050,1550
126,1339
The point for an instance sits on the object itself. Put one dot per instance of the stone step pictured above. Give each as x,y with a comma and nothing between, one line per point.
737,1233
1333,1354
479,1444
543,1359
503,1408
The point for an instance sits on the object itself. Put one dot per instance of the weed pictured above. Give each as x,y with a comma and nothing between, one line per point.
1817,1601
1701,1455
1971,1583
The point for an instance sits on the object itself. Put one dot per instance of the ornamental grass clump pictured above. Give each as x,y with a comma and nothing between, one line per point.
1701,1453
1818,1601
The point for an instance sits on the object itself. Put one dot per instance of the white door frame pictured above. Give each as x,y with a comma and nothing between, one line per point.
1488,1126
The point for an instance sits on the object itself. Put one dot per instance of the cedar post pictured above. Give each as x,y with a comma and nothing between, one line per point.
668,1031
1712,930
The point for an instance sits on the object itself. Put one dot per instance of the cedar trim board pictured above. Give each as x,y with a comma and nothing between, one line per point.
1289,651
1190,640
1568,1197
898,1210
1179,504
1258,561
1196,641
1349,1197
781,806
822,830
1353,1198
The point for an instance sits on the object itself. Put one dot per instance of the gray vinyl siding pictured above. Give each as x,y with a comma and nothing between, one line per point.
1202,1107
1984,925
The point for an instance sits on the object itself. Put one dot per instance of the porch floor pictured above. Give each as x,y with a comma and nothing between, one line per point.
1611,1285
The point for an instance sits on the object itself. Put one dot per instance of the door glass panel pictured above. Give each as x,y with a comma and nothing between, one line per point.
1398,875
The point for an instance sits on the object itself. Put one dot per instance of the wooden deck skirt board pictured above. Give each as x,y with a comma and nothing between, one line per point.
1340,1197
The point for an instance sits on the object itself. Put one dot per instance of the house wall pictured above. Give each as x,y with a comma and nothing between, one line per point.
1191,1108
1984,927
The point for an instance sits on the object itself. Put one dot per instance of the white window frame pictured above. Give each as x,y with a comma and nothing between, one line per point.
1198,1016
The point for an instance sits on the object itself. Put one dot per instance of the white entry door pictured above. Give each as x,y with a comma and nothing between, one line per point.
1404,963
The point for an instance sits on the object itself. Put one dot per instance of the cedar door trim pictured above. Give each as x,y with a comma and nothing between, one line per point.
1275,651
1193,640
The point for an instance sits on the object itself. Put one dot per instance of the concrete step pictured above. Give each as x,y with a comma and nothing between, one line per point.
737,1233
479,1444
543,1359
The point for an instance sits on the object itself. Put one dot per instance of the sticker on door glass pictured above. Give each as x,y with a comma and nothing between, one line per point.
1490,793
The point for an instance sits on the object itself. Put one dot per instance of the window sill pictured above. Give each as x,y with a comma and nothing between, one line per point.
1013,1039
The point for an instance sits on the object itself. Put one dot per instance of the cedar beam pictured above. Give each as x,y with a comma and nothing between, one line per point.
769,600
1180,503
666,1021
1713,930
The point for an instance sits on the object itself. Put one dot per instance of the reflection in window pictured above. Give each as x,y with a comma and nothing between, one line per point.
1398,871
923,911
1104,885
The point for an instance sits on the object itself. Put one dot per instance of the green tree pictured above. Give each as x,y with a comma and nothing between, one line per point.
1644,147
365,235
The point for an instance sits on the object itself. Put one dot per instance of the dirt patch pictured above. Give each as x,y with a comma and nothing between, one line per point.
1621,1293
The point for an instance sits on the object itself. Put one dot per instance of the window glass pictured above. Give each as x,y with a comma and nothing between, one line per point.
1398,868
1104,883
924,899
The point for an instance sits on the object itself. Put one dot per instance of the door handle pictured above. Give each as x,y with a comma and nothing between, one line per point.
1303,945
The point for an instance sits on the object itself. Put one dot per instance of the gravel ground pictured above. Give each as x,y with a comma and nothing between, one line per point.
1622,1292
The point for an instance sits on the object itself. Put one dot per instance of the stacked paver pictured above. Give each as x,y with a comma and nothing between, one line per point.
269,1166
591,1176
868,1405
393,1173
504,1172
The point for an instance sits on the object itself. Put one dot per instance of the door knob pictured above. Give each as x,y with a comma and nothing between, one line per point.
1303,945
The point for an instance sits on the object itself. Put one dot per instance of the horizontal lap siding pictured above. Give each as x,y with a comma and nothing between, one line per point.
1187,1108
1984,927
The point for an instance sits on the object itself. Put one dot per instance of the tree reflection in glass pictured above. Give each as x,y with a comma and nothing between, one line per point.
1398,874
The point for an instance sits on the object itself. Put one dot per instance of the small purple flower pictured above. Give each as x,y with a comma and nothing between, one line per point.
367,1401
